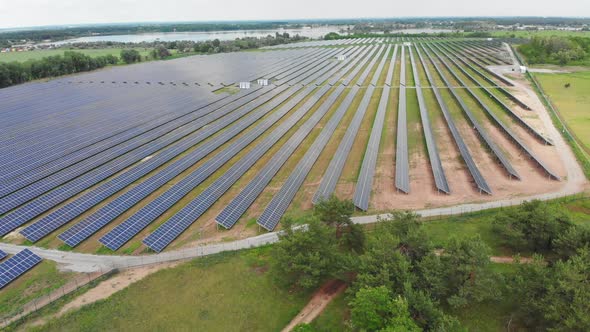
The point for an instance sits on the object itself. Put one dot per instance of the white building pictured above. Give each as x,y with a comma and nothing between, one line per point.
523,69
341,57
244,85
263,81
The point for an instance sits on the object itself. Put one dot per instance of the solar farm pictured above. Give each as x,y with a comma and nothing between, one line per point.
166,154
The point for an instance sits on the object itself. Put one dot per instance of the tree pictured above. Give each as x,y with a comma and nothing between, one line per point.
304,257
374,309
337,213
532,226
331,36
554,297
569,242
130,56
160,52
469,277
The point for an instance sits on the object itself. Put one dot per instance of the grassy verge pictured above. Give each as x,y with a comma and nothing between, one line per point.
225,292
40,281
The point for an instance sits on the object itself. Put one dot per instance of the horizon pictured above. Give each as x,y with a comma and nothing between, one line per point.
41,13
277,20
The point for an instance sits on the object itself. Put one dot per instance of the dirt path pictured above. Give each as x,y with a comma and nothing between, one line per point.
317,303
510,260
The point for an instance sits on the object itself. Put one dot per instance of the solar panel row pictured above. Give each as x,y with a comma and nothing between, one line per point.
402,166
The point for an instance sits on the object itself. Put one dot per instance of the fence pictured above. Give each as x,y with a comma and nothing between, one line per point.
70,287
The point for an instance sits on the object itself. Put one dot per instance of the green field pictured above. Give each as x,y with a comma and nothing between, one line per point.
39,54
573,103
542,33
225,292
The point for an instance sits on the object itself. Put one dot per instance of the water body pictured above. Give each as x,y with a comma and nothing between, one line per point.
311,32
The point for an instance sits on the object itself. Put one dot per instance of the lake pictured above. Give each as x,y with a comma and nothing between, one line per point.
311,32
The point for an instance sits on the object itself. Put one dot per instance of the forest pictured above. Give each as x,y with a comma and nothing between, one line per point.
398,281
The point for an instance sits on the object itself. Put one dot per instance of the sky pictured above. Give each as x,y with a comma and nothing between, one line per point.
26,13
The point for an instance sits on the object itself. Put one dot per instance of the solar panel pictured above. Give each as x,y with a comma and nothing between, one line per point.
402,167
2,254
16,266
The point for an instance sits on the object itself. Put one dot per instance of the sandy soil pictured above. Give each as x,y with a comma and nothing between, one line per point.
424,194
317,303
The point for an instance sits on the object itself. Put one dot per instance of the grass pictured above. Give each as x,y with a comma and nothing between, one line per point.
542,33
573,102
39,54
334,316
39,281
224,292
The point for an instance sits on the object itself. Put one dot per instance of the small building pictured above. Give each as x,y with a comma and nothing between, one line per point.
523,69
341,57
490,39
263,81
244,85
407,44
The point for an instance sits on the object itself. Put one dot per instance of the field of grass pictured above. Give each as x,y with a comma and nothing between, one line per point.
39,281
225,292
542,33
39,54
572,103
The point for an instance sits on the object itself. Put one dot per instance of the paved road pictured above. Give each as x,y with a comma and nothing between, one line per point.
574,183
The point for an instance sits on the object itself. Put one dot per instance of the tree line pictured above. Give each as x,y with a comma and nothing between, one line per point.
211,46
399,281
556,50
52,66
